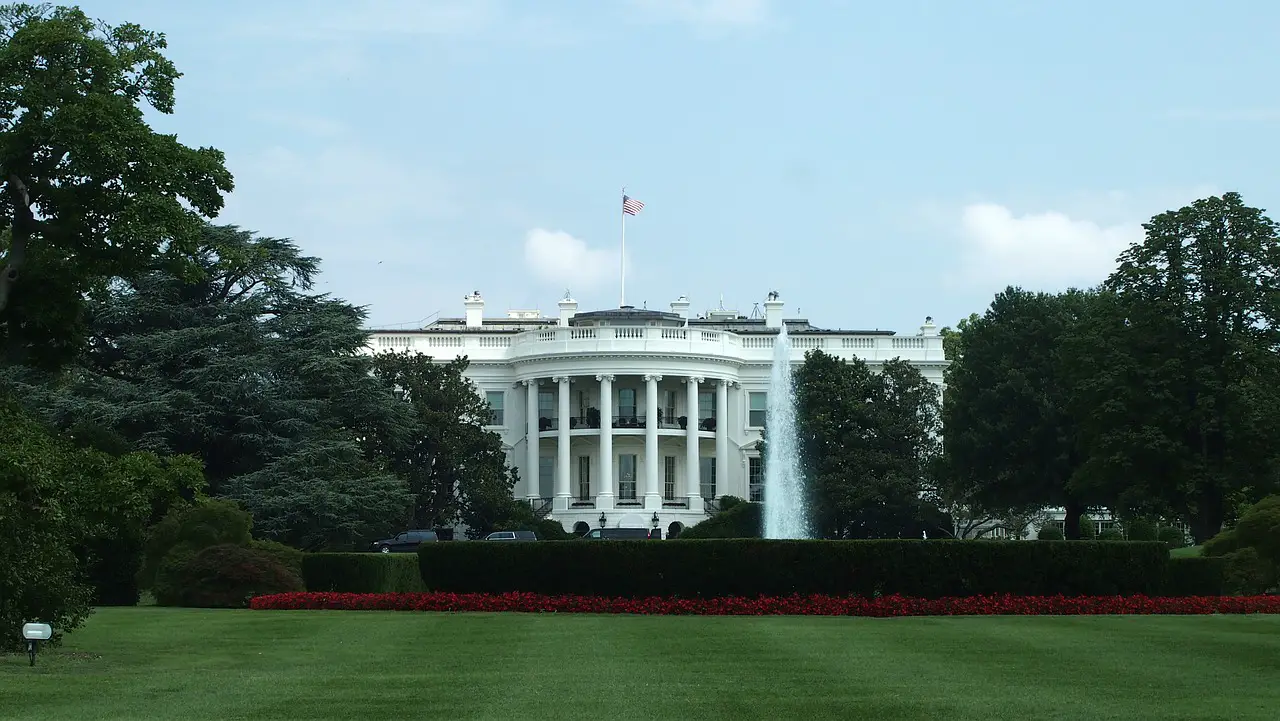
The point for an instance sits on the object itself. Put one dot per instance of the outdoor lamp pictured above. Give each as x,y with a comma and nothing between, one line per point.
603,520
655,519
34,633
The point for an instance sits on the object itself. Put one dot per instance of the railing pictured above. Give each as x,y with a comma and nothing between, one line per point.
676,502
694,341
583,502
622,502
712,505
541,507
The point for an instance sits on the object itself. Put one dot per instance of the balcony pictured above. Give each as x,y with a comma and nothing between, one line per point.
626,422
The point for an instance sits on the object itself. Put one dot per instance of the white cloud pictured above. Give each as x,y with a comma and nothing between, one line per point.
713,13
557,257
1048,249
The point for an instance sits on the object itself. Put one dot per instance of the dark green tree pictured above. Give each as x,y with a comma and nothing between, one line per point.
1183,406
88,191
456,469
1012,443
868,443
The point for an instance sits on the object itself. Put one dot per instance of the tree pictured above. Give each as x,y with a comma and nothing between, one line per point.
952,339
454,466
1011,440
1183,406
239,364
59,505
868,442
89,190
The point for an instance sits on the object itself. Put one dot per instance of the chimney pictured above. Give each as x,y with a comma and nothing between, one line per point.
928,329
475,309
773,310
568,308
680,306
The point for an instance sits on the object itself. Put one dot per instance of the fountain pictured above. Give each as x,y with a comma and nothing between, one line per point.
786,513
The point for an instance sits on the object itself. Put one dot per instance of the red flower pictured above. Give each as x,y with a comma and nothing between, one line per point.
883,606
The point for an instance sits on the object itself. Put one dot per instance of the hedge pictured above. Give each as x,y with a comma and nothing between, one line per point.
362,572
756,567
1195,576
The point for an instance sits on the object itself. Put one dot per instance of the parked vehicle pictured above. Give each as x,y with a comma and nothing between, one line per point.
619,534
511,536
405,542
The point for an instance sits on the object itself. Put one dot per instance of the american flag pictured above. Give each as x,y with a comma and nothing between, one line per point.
631,206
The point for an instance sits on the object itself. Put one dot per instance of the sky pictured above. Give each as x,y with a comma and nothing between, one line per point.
874,163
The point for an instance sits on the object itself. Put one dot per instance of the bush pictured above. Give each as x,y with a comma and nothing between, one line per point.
208,522
550,530
1088,528
365,572
755,567
1111,534
1171,537
287,556
1140,529
227,576
740,520
1195,576
1248,573
1222,544
1049,532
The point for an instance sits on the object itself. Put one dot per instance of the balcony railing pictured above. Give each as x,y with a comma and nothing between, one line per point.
541,507
675,502
625,421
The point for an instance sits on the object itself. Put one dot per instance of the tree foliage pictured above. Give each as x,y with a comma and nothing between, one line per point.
89,190
456,469
1182,392
1012,444
868,443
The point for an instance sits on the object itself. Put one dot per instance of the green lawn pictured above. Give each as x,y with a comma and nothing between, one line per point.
155,663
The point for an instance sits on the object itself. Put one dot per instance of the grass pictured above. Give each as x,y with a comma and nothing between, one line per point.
154,663
1186,552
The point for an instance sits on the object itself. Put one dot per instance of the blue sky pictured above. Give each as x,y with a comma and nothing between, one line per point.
873,162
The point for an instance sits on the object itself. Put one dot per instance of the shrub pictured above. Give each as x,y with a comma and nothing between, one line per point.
1259,528
1140,529
364,572
754,567
1111,534
1050,532
208,522
1248,573
1171,537
1222,544
1088,528
740,520
551,530
287,556
1195,576
227,576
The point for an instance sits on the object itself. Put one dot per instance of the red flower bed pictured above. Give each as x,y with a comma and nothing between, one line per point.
788,606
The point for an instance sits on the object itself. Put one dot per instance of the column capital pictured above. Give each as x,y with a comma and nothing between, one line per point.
561,379
529,382
652,377
604,377
693,379
726,382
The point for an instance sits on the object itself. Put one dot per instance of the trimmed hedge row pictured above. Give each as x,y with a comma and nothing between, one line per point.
362,572
756,567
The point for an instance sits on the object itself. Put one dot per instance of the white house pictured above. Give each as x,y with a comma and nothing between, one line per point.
638,418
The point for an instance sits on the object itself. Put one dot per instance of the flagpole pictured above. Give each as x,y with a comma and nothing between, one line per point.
622,293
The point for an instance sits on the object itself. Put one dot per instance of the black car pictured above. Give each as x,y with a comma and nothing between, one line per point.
404,542
511,536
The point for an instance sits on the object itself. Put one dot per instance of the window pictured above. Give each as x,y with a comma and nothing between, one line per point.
496,402
669,407
546,404
546,475
706,404
707,476
627,477
755,479
669,478
584,477
757,404
583,404
627,403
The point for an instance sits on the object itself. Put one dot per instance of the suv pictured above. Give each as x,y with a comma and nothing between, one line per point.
511,536
406,541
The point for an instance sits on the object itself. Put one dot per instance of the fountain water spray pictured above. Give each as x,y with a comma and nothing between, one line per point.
786,512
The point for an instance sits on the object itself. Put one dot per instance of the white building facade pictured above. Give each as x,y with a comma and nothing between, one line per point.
632,418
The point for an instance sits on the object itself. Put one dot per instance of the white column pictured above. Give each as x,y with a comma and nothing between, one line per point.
531,459
562,446
604,494
652,496
692,488
722,436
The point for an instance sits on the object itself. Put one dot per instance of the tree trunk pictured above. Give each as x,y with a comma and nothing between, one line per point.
1071,523
24,223
1209,516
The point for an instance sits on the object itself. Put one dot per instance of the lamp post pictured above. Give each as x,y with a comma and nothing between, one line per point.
34,633
603,520
656,522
